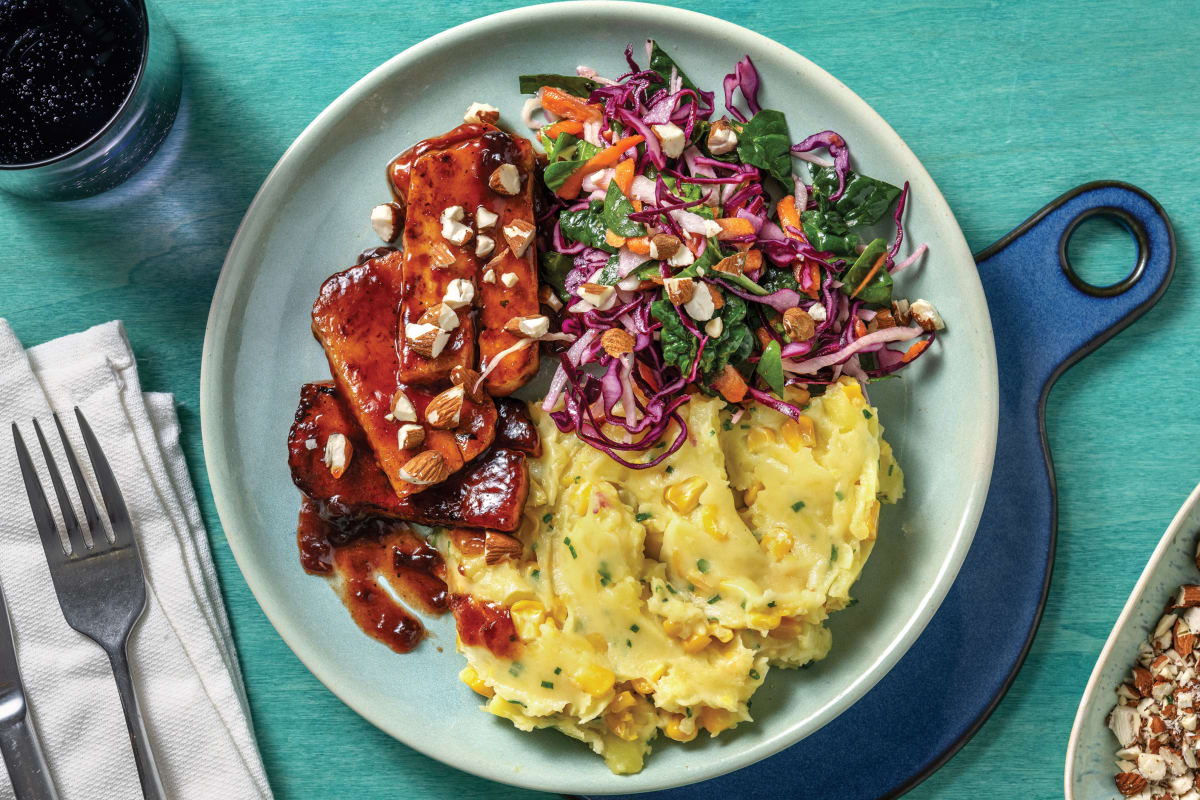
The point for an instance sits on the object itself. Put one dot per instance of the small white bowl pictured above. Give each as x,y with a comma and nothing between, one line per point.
1091,750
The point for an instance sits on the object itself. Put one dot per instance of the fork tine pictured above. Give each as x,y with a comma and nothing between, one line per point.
118,515
51,542
74,533
85,494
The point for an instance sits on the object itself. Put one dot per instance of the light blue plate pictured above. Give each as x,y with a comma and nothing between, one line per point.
309,220
1091,752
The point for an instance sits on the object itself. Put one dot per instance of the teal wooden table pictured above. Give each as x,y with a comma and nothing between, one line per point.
1007,104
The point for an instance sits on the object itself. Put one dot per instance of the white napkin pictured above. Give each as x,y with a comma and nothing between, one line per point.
183,661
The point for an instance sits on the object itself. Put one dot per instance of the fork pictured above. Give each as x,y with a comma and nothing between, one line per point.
101,588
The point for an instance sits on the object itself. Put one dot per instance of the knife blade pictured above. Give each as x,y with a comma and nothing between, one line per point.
18,738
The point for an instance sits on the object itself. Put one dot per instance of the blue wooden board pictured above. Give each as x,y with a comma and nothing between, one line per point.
1007,104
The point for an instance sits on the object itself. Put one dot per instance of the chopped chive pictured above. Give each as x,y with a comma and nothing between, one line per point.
744,427
796,506
547,684
671,589
558,670
714,599
727,425
670,469
754,674
691,587
890,468
771,604
514,672
839,495
642,516
628,643
702,565
605,575
516,703
743,602
547,518
833,557
853,602
567,542
634,628
536,574
660,444
866,413
689,712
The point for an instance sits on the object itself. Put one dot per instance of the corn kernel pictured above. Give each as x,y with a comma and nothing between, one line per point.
685,495
642,686
674,730
622,701
852,391
799,433
715,720
672,627
796,395
471,678
764,622
760,437
527,616
751,494
696,642
708,516
778,543
583,499
594,679
873,522
621,725
658,672
598,642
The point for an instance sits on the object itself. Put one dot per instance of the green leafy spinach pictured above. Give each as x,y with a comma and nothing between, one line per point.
572,84
879,288
617,209
585,225
555,267
764,142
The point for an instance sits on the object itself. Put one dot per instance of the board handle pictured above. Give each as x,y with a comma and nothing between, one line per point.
1041,305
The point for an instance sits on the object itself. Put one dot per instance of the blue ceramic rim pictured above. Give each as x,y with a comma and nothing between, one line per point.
1143,255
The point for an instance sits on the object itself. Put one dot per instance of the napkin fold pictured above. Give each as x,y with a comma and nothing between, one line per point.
182,656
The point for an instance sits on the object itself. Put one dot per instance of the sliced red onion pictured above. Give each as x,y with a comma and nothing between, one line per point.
897,334
780,300
744,77
916,254
573,355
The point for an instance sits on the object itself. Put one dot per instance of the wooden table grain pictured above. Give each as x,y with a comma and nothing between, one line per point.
1007,104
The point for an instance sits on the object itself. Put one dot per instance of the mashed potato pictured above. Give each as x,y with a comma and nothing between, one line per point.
658,599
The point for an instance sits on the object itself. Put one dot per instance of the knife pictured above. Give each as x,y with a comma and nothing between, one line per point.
18,740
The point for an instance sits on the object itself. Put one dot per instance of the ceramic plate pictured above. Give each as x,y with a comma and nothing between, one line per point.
310,219
1091,750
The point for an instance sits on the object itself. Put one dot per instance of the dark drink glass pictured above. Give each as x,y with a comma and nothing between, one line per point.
88,91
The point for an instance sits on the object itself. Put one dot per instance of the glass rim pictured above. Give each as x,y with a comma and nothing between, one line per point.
107,126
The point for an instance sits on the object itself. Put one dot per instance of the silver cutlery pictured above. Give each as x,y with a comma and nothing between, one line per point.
18,739
101,589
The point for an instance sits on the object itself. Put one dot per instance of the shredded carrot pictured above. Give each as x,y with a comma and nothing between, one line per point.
561,104
860,330
731,385
613,239
814,279
606,158
914,351
734,227
639,245
571,126
764,338
624,178
874,268
754,260
788,216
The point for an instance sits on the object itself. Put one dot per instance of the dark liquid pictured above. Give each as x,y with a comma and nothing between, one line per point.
66,66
